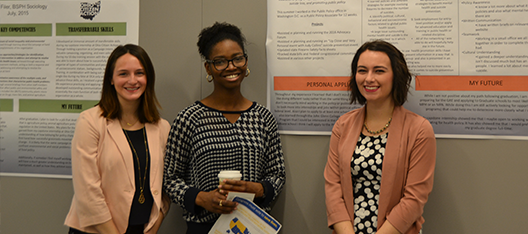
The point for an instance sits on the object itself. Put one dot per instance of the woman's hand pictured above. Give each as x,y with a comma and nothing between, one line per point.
157,225
241,186
387,228
344,227
107,227
215,202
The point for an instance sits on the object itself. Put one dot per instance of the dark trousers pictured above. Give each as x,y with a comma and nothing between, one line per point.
132,229
198,228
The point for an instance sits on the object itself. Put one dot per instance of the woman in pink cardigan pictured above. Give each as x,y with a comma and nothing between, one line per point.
380,136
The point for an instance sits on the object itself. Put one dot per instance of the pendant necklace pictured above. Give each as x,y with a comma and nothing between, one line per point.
131,124
141,185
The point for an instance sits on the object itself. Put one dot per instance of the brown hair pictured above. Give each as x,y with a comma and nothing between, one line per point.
109,103
401,76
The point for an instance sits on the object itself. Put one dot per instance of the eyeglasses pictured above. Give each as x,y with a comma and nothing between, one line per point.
222,64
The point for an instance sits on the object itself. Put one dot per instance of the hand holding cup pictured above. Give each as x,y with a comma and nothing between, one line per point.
231,181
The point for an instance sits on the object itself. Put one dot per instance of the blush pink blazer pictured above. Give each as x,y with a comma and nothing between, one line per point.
103,172
407,173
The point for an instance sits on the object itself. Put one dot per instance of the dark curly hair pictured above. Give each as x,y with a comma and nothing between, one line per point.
401,75
210,36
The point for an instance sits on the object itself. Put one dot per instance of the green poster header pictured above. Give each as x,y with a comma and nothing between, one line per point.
91,29
6,105
55,106
25,30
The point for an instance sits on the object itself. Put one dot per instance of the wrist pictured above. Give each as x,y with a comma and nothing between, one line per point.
263,189
199,201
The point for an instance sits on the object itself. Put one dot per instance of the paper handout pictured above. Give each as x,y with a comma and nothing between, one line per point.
248,218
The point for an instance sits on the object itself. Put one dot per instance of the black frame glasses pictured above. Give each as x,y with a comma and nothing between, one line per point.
216,62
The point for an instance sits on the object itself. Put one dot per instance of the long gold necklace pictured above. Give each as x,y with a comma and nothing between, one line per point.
141,185
379,131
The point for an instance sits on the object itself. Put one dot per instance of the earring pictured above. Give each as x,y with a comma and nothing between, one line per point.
209,78
247,72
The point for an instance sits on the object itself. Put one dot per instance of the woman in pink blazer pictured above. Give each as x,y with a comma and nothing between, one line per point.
118,152
382,136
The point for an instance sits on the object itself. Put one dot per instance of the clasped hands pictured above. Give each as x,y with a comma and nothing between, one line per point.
215,200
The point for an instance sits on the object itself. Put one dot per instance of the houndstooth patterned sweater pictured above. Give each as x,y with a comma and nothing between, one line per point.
202,142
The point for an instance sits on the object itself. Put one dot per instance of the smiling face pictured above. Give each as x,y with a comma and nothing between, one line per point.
374,77
232,76
129,79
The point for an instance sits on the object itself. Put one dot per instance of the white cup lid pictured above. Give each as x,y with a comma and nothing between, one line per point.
229,174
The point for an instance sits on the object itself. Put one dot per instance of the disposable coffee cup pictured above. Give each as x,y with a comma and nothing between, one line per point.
232,175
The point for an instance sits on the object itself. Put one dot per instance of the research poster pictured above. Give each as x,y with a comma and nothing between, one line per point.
53,55
468,57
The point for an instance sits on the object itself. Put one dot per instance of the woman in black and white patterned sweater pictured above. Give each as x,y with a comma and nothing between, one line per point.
224,131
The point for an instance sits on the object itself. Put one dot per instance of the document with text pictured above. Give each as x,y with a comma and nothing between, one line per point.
248,218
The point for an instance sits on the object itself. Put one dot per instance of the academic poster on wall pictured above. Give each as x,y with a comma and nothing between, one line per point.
53,55
468,57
